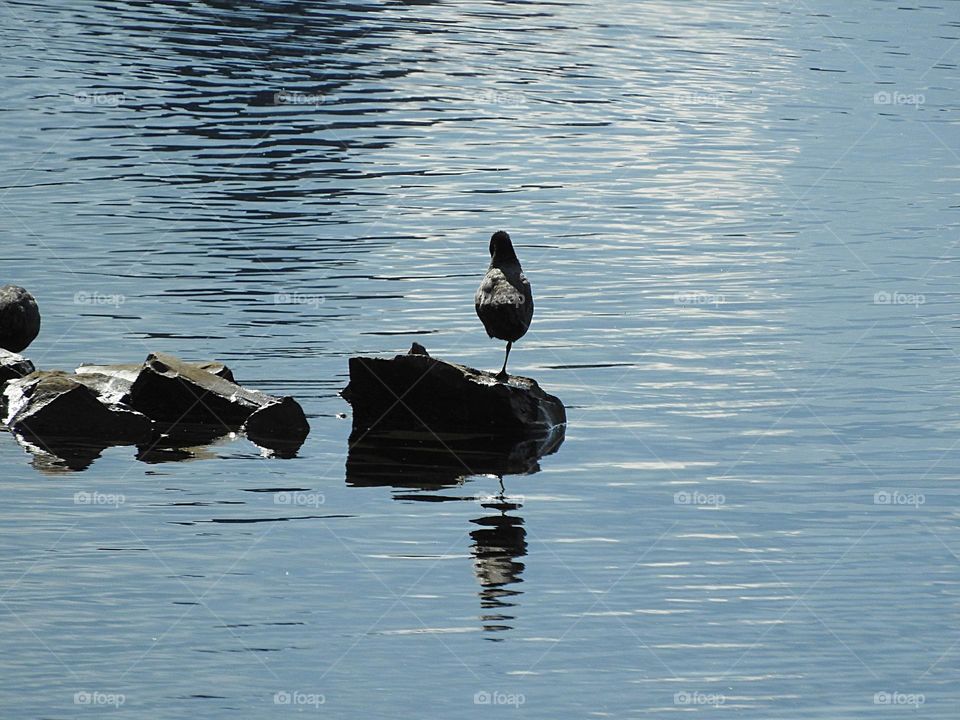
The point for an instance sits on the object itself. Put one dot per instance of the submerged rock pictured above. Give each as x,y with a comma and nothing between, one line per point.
19,318
421,393
53,404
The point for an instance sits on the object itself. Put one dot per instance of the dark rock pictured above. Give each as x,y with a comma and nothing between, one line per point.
19,318
13,366
46,405
420,393
417,349
279,426
170,390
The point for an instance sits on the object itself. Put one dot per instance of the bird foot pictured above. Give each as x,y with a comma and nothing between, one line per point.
502,376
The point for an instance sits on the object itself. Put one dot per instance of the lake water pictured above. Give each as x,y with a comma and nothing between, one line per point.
740,223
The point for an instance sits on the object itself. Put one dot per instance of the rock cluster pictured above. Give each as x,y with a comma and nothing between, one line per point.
147,404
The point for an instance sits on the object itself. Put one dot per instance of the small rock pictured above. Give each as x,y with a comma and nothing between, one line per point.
282,419
280,426
52,404
13,366
19,318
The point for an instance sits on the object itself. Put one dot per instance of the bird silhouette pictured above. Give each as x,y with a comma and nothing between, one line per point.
504,300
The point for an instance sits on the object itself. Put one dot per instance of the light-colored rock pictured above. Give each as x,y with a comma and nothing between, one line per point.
129,371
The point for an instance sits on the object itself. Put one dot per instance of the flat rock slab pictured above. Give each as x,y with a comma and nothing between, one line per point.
421,393
113,382
130,371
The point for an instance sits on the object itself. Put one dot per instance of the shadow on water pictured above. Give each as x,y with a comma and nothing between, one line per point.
428,464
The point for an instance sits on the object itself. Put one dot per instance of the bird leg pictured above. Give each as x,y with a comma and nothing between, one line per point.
502,375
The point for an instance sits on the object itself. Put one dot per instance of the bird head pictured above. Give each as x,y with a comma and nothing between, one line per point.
501,248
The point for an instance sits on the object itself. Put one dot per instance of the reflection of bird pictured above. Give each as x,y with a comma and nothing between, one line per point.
498,545
504,300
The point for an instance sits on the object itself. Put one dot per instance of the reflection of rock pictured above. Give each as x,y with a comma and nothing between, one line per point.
497,545
57,456
19,318
416,391
177,443
419,460
167,444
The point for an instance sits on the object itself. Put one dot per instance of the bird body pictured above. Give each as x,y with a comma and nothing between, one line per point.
504,300
19,318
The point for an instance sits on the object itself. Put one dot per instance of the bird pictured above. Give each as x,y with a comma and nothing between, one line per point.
504,300
19,318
